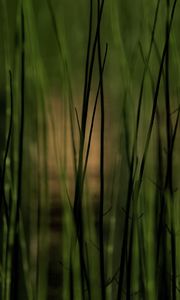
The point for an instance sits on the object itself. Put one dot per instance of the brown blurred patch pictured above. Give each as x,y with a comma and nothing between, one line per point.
60,147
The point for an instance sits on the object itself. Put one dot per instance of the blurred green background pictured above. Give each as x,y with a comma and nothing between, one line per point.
37,247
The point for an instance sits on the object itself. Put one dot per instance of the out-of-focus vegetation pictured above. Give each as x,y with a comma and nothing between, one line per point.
89,149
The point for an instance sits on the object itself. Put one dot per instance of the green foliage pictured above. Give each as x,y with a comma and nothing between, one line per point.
89,150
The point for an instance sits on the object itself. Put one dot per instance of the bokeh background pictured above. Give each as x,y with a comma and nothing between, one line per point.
43,52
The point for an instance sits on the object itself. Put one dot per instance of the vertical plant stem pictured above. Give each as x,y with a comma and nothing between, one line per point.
16,261
101,207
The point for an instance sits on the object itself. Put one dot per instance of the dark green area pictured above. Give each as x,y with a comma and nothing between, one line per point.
89,149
